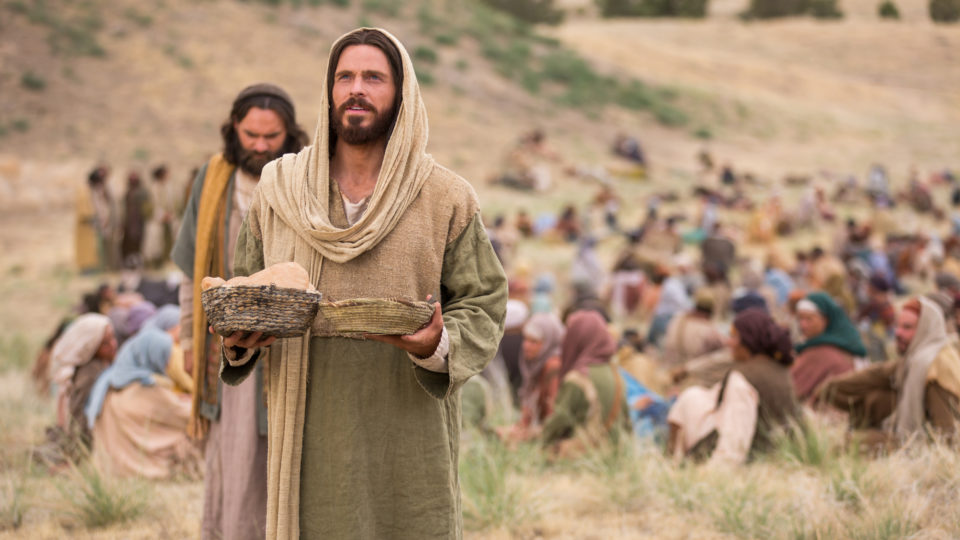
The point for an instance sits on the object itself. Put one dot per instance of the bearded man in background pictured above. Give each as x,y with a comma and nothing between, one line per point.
233,420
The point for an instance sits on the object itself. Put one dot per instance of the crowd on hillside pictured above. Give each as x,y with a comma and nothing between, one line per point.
705,334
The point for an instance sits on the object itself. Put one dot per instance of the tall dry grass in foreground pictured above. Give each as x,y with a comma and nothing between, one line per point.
812,487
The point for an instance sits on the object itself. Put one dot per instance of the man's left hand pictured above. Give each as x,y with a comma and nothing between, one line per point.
423,343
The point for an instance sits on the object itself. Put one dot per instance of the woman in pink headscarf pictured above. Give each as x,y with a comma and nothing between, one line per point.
586,343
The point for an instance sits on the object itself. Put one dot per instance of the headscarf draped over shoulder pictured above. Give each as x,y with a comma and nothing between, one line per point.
586,343
74,349
297,186
840,331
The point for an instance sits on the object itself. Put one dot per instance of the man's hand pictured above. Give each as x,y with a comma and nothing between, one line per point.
424,342
248,340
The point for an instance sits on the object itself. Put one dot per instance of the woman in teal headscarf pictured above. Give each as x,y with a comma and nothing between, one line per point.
831,345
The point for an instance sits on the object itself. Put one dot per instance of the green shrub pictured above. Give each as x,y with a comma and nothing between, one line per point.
425,54
425,78
888,10
703,133
825,9
446,39
768,9
20,124
142,20
462,64
653,8
945,11
32,81
531,11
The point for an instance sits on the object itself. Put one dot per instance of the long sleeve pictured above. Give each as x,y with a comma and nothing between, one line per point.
473,293
942,409
736,421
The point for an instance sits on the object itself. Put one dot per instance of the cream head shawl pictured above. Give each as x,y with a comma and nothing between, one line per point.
73,350
930,339
294,190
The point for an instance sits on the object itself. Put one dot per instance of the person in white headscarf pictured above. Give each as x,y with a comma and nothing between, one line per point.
86,348
917,394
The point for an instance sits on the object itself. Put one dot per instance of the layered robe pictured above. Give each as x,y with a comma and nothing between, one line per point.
233,420
381,434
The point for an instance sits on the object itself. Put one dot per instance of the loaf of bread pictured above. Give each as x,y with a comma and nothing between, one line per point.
288,275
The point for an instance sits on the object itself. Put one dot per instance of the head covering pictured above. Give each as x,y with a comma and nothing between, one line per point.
839,332
703,300
587,342
406,166
748,300
517,313
761,335
266,90
74,349
164,319
295,191
947,281
547,329
138,360
911,377
943,301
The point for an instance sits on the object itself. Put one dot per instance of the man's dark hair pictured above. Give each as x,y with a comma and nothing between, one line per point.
375,38
271,100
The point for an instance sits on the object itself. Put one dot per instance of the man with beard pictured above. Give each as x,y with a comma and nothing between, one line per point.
915,396
233,420
364,433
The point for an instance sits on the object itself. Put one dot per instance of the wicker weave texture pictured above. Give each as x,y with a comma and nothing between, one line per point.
269,309
384,316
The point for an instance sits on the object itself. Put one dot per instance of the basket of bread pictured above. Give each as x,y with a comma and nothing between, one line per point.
277,301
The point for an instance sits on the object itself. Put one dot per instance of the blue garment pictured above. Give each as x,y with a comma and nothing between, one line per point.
165,318
781,283
653,418
138,360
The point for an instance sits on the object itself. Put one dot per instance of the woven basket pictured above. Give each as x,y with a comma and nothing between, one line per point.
269,309
385,316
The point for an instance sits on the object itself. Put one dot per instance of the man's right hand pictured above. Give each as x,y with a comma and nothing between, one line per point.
248,340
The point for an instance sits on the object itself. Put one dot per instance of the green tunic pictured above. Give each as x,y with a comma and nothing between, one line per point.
381,436
571,408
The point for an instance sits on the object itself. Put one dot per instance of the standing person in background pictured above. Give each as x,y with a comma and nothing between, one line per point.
261,127
137,211
159,235
95,223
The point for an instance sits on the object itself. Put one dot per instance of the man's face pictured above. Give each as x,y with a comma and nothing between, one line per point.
906,329
261,134
363,95
811,323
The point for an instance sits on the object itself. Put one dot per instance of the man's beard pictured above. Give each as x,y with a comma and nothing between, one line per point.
355,134
253,162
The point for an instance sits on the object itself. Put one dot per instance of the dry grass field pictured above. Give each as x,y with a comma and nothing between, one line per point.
775,98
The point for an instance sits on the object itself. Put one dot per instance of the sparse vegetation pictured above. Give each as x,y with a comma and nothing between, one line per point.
21,125
13,502
531,11
888,10
945,11
425,54
143,20
15,352
653,8
72,30
33,82
97,500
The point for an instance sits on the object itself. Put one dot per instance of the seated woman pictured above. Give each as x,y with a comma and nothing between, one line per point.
540,369
832,341
736,418
80,355
138,421
917,394
590,406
